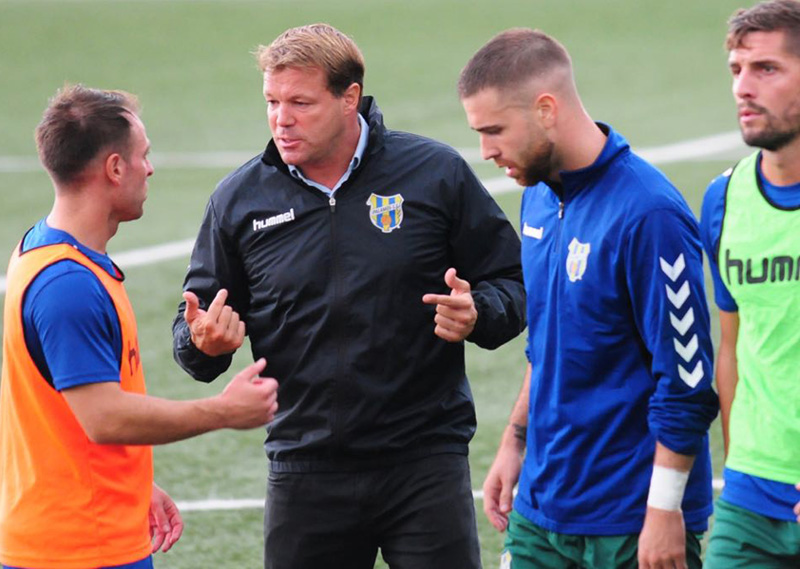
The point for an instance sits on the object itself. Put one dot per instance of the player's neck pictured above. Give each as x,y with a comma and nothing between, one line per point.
84,220
585,141
782,167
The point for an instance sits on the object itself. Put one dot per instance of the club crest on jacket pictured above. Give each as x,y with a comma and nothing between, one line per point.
386,212
577,259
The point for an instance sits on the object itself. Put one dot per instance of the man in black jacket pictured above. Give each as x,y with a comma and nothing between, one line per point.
359,259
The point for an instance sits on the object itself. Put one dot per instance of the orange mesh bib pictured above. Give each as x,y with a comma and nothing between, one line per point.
66,502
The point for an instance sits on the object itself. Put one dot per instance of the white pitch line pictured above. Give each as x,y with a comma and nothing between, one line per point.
696,149
220,504
148,255
258,503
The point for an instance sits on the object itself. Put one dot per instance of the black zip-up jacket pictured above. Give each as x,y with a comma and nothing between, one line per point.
331,293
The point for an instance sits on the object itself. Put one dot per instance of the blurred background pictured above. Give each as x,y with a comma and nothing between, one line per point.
655,70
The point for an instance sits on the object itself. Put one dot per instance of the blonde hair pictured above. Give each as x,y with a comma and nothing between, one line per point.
316,45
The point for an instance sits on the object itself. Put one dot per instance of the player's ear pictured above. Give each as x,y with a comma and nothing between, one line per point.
546,110
114,168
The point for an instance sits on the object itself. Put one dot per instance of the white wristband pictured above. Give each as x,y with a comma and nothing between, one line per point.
666,488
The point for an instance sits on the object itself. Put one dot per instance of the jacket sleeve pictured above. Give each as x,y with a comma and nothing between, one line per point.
664,272
215,264
486,253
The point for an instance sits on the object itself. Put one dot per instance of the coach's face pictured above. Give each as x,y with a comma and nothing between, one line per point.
307,121
511,135
766,86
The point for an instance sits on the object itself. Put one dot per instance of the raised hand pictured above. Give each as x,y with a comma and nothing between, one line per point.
455,313
215,331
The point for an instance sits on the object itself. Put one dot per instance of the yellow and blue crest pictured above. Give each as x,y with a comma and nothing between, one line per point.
577,259
386,212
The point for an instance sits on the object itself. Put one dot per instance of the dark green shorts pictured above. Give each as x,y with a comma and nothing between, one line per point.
529,546
741,538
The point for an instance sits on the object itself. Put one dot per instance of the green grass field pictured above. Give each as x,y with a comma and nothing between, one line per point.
655,70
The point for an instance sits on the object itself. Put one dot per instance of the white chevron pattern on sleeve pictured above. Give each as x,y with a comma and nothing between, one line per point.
682,325
673,271
688,351
692,379
678,298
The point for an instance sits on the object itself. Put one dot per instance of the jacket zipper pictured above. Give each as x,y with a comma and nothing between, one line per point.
336,428
558,228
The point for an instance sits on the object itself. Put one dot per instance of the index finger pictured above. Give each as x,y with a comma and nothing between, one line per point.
446,300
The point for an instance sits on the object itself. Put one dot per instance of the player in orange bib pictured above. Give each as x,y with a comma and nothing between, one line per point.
76,479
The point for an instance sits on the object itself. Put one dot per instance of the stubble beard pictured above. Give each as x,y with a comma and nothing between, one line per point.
775,135
539,168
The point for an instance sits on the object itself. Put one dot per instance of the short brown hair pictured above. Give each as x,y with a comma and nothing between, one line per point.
77,124
511,58
771,16
316,45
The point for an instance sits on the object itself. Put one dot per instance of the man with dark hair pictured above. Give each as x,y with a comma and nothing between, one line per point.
609,431
749,228
76,472
359,259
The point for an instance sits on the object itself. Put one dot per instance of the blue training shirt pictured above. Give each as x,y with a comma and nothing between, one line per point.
619,345
71,325
760,495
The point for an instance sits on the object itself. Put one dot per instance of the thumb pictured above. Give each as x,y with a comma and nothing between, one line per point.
458,285
192,306
250,373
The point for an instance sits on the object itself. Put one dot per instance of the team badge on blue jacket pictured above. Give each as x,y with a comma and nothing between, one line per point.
577,259
386,212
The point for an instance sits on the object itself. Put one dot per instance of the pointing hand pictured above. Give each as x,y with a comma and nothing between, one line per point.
455,313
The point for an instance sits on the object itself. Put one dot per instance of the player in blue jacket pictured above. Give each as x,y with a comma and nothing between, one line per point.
609,436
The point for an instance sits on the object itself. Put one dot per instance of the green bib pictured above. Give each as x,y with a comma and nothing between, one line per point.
759,262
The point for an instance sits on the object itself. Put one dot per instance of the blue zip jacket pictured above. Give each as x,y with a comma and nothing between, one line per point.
619,345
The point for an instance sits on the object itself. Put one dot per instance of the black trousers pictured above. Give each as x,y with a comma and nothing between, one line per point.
420,514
